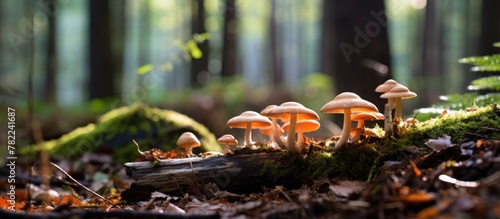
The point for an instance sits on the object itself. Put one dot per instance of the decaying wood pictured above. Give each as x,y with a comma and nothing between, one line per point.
239,173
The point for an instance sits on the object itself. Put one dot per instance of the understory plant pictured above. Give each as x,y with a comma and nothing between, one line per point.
484,90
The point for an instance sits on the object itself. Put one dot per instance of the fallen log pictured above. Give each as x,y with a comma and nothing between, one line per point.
239,173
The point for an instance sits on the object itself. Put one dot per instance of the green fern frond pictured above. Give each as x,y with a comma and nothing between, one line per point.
486,83
488,68
483,63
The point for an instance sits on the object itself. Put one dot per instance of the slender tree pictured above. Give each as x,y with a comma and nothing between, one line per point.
198,27
51,64
276,54
432,55
102,73
229,52
490,27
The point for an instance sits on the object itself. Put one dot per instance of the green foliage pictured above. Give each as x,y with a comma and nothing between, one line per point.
150,127
487,88
145,69
486,83
483,63
188,50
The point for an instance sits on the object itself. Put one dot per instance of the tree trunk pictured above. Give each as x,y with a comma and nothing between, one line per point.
276,51
199,66
431,67
355,46
102,80
229,52
490,27
118,36
51,66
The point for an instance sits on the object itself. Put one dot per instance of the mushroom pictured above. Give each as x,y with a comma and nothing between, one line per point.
386,86
248,120
188,141
346,103
360,118
227,140
399,92
275,139
302,126
269,132
291,111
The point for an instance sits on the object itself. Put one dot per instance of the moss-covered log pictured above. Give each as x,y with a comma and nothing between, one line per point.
246,172
150,127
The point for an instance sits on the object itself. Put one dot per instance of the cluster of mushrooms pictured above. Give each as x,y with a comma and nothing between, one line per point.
298,119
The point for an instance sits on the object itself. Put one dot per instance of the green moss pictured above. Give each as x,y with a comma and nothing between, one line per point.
482,123
350,162
150,127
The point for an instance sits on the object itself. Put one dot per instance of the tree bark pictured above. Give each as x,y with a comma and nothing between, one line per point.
355,48
51,65
490,27
431,66
276,52
229,52
234,173
101,81
198,27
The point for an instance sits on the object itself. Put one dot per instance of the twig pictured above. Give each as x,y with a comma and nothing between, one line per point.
194,176
80,185
177,183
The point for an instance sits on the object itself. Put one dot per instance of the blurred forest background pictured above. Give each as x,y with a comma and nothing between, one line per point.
213,59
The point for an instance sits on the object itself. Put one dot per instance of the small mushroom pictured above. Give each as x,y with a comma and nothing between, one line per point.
386,86
227,140
291,111
302,126
269,132
248,120
361,118
188,141
347,103
399,92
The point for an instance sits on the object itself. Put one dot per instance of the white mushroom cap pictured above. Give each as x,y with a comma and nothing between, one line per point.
188,140
227,139
348,100
386,86
249,120
399,91
284,111
257,120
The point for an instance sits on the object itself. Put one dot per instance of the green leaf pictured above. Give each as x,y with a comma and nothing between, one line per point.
486,83
145,69
497,44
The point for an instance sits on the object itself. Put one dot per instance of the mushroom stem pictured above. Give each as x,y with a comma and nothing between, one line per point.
399,108
388,118
275,137
189,151
361,124
227,149
248,135
345,130
291,132
300,138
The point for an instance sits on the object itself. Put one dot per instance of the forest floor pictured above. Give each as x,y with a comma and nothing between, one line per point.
445,180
